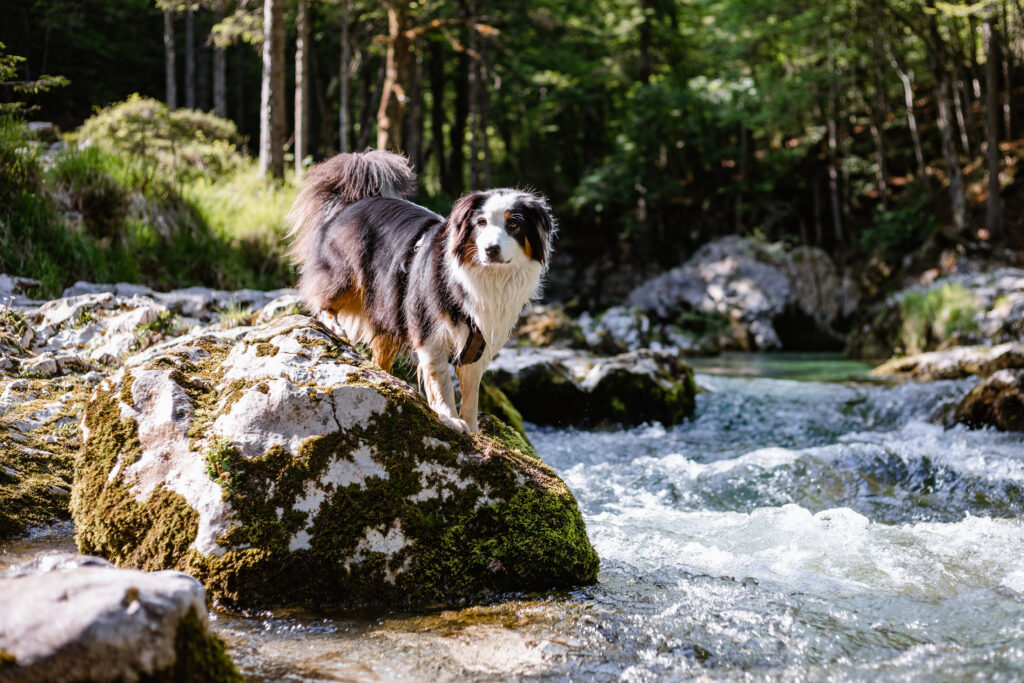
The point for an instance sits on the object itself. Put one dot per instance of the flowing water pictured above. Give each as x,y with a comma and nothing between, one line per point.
824,528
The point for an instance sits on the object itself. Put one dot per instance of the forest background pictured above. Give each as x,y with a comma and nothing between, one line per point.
886,132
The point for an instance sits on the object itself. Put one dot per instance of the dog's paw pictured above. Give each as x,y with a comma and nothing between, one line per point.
454,423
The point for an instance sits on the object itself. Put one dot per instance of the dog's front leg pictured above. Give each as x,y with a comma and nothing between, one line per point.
469,383
433,371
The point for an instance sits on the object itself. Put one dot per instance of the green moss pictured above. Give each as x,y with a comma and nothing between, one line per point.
494,401
200,656
266,349
109,521
495,517
35,490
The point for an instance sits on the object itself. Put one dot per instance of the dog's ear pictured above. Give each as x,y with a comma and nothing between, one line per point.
460,221
543,227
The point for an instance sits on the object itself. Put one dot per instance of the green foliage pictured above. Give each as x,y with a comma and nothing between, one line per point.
936,316
902,229
180,144
235,315
9,66
104,214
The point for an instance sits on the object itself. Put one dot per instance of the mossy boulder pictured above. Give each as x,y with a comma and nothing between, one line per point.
75,618
997,402
38,440
562,387
283,468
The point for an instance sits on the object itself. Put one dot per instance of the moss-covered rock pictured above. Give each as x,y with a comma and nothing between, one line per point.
38,440
569,388
309,476
75,618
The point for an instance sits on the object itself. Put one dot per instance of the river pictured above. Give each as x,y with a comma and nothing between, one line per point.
805,524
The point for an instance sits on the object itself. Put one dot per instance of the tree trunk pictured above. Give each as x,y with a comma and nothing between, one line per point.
272,95
960,109
169,53
414,121
938,52
437,109
485,140
343,78
1007,62
220,79
994,205
877,116
457,133
398,70
474,103
302,45
833,156
190,57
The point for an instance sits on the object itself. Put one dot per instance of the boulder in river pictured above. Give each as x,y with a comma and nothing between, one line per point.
997,402
283,468
955,363
77,618
782,298
562,387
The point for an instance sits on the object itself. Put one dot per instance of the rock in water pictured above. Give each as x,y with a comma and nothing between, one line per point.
285,469
75,618
563,387
997,402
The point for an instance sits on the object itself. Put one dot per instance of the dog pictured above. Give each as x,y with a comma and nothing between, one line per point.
384,271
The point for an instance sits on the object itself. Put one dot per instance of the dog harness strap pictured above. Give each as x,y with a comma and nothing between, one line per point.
474,347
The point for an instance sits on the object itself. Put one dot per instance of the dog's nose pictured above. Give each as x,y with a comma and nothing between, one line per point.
493,252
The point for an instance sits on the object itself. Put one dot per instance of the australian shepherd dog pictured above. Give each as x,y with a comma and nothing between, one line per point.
396,276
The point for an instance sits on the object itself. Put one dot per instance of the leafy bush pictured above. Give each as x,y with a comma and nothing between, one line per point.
83,186
902,229
178,143
937,316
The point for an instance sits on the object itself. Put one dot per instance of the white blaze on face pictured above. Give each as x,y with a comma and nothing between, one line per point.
494,244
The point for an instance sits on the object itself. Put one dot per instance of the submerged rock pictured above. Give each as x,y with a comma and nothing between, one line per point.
285,469
997,402
551,386
77,618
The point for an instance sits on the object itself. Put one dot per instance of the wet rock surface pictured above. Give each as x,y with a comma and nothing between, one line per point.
561,387
997,402
283,468
955,363
79,618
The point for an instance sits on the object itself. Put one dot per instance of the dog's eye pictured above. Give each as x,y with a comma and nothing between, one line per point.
481,221
513,226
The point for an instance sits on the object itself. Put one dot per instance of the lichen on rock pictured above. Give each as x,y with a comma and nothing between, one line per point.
309,476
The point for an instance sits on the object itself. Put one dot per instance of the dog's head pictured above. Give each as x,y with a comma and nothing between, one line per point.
501,228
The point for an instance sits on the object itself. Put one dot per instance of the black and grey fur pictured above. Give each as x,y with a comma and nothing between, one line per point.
397,276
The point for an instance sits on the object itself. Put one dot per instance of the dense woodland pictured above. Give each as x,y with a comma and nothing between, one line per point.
871,128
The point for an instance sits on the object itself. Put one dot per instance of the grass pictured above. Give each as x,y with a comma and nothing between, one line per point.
107,214
937,316
235,315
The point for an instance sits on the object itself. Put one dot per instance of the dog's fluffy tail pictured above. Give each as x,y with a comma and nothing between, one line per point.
344,179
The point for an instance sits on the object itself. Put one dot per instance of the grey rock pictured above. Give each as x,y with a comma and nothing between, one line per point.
77,618
563,387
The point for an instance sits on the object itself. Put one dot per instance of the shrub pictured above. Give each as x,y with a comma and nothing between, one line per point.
177,143
902,229
936,316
